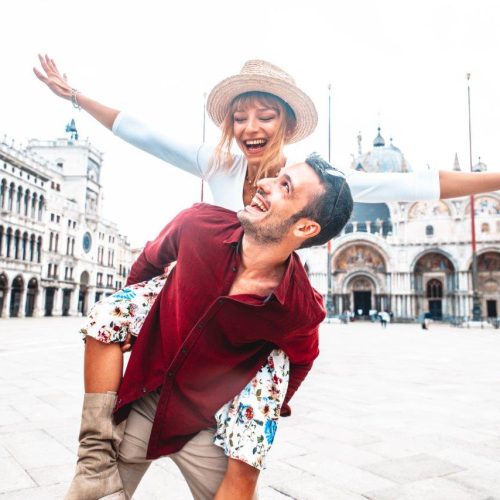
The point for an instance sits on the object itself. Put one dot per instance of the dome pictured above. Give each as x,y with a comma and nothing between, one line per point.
382,158
479,166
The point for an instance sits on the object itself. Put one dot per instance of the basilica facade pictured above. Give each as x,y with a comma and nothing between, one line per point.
412,258
58,255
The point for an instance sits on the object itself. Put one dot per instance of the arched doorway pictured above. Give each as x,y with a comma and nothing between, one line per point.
488,267
31,297
50,293
83,293
16,293
359,272
363,291
434,294
435,284
66,304
4,286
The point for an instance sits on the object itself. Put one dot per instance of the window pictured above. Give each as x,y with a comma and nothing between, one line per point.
55,271
49,271
58,219
99,279
52,217
434,289
429,230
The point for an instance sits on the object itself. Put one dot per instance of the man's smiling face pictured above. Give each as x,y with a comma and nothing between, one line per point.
270,216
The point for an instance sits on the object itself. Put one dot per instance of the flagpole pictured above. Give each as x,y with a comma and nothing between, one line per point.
476,304
329,301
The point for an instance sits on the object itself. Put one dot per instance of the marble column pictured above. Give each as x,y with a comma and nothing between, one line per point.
57,308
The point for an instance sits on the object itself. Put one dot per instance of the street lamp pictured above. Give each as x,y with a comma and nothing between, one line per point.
476,304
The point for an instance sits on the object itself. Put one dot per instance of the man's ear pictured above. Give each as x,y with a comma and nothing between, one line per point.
306,228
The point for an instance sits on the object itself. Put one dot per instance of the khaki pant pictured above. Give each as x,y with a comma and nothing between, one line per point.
202,464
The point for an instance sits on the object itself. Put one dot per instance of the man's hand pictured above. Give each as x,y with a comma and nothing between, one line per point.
127,344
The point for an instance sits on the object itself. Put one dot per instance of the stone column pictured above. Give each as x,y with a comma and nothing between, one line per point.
6,304
90,298
73,306
37,308
22,303
57,309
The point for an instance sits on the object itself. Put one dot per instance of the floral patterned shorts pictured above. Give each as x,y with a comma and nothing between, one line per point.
247,424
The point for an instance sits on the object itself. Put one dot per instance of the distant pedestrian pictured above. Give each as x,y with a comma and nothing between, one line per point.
384,318
426,320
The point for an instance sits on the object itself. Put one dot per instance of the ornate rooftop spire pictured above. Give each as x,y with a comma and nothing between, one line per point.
379,140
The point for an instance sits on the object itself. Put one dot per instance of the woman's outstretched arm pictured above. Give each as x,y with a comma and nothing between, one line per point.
58,83
455,184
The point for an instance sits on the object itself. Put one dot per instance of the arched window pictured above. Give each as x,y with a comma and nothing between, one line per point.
17,238
19,199
12,190
429,230
434,289
8,241
51,239
1,240
485,227
32,247
3,192
39,249
56,244
41,206
25,246
27,195
33,205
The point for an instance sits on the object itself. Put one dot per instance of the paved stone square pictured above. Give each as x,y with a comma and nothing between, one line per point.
395,414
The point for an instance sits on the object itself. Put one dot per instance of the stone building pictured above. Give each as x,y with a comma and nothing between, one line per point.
412,258
58,255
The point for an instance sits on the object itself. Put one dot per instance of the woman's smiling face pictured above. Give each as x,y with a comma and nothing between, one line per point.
255,125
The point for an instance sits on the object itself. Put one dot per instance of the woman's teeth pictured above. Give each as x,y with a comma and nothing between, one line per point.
255,143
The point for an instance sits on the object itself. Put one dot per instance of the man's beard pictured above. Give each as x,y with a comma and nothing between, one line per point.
265,234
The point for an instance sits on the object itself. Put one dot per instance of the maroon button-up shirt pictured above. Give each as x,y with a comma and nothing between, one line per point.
201,345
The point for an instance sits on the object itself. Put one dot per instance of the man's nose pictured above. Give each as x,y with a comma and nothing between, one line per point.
266,184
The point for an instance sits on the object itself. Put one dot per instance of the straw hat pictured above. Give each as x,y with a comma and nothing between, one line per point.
261,76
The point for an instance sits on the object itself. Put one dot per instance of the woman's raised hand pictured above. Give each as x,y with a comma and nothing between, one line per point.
52,77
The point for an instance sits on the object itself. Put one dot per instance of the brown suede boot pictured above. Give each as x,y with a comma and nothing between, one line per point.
96,476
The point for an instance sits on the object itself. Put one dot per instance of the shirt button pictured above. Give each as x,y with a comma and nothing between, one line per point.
200,326
119,402
220,301
170,374
144,389
184,350
234,269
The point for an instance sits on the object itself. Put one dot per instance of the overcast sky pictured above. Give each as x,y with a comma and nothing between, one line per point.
398,64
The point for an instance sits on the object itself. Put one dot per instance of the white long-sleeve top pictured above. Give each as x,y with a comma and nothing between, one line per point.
227,185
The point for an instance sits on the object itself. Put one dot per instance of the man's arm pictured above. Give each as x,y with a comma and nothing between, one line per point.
160,252
302,349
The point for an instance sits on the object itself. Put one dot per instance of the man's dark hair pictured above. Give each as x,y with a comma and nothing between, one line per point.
330,209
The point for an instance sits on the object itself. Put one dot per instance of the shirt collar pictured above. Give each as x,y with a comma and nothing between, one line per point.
280,292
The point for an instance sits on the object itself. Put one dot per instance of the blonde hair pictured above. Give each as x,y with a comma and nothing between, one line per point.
223,159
